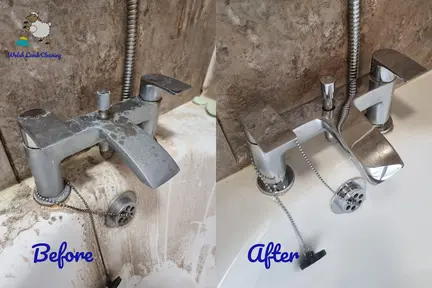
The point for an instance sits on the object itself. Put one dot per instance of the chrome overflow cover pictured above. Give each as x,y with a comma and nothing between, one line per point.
123,204
349,196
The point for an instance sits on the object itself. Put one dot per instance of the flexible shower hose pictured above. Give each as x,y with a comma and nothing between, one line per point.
132,16
353,58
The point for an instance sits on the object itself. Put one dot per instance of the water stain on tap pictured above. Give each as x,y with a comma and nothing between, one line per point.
110,127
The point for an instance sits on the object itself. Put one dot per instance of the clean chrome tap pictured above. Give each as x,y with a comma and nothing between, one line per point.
128,127
270,135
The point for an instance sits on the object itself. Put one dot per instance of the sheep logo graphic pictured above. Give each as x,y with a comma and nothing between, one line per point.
40,30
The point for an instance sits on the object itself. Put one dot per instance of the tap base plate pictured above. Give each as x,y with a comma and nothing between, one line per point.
386,127
50,201
280,188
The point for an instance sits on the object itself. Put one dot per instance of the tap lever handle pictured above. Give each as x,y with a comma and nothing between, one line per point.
151,83
266,128
41,128
397,63
327,92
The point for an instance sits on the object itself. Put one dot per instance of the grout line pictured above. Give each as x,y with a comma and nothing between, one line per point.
226,139
9,157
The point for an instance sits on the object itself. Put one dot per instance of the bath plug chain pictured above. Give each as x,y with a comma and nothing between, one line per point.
82,210
313,168
293,224
347,197
291,219
310,257
91,213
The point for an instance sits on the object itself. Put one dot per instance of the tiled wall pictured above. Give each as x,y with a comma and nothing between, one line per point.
175,38
275,51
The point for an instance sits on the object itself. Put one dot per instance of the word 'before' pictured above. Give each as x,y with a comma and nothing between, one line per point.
43,253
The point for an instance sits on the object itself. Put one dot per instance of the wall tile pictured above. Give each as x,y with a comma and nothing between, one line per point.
7,176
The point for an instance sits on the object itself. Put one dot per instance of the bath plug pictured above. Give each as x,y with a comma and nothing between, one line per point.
310,258
113,284
211,107
200,100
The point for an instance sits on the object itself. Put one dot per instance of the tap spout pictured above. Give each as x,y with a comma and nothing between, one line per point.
150,162
370,151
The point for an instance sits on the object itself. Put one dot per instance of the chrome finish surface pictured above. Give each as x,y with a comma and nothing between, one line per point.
370,150
270,135
329,115
103,100
57,199
327,92
353,59
349,196
129,131
396,63
103,103
279,188
105,150
152,84
386,66
387,127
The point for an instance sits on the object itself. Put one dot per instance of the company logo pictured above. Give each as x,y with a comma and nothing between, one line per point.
34,28
23,54
38,29
42,254
263,254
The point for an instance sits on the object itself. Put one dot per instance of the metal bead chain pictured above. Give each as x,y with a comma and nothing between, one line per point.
350,198
263,177
88,211
82,210
293,224
312,167
291,219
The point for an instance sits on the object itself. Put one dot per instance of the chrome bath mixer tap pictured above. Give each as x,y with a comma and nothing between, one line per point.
270,135
127,127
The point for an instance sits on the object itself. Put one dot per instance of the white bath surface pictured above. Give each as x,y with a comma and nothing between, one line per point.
384,244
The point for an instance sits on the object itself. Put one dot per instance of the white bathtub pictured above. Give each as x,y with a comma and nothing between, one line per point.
383,244
171,241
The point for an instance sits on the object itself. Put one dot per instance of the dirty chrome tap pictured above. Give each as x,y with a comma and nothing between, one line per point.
128,127
269,135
